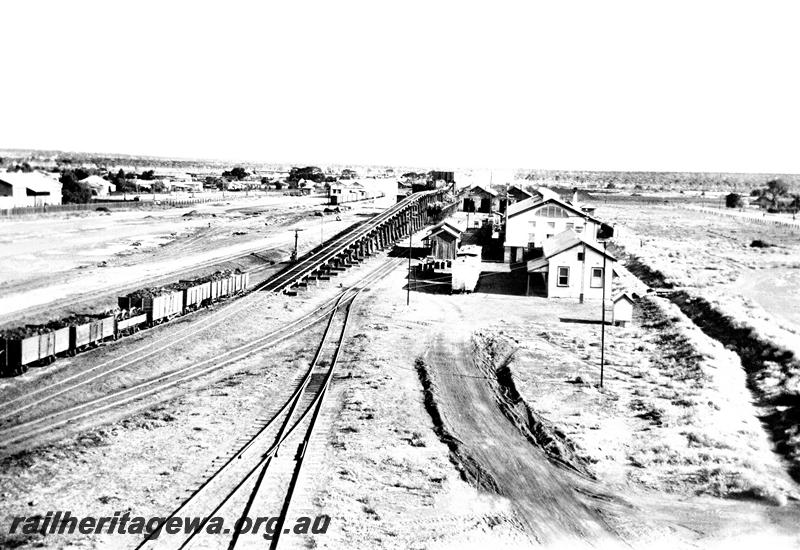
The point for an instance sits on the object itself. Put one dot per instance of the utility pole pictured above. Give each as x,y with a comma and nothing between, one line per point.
408,285
294,252
603,318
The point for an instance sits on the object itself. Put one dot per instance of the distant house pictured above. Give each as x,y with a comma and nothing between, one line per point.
99,187
20,189
516,194
532,221
513,194
623,309
571,267
479,199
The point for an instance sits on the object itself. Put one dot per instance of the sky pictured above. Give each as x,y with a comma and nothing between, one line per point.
662,86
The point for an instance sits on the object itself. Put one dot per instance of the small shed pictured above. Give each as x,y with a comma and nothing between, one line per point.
444,241
623,309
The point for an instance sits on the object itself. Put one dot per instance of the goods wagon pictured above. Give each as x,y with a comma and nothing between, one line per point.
23,347
345,194
128,323
85,330
159,303
466,269
195,293
36,344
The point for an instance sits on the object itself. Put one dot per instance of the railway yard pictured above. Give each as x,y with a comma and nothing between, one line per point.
457,420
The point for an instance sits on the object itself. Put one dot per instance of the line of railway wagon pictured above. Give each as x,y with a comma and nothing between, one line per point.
40,344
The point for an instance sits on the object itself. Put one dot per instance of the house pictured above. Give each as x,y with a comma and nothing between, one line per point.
99,187
481,200
190,186
623,309
513,194
444,240
21,189
530,222
572,266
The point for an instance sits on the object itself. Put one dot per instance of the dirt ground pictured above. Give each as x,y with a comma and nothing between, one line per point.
713,255
458,421
79,261
487,475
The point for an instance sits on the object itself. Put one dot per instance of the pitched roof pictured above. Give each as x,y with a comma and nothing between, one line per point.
569,239
489,191
539,264
448,224
523,206
34,181
519,190
95,181
625,295
453,232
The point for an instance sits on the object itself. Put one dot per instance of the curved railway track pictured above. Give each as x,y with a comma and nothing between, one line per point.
14,406
42,424
254,480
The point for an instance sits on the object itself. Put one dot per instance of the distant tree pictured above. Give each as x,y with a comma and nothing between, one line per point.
2,161
309,173
774,190
213,182
71,190
147,175
237,173
611,185
81,174
755,193
348,174
120,180
733,200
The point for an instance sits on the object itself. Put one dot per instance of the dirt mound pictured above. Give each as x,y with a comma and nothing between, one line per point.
469,469
494,357
773,373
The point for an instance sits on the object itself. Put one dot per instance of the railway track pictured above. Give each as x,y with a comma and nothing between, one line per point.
14,406
49,421
255,481
286,278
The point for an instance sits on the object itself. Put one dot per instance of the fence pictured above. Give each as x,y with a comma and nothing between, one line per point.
762,218
94,205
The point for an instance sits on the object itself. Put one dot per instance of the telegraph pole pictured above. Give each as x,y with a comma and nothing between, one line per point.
410,232
603,319
294,252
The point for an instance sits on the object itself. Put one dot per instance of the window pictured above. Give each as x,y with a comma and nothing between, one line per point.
579,229
570,225
563,276
551,225
531,238
532,224
597,277
551,211
580,256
